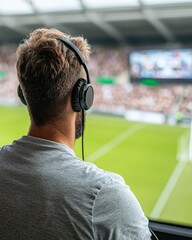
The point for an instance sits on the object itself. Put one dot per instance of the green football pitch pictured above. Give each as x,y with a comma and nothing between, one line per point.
153,159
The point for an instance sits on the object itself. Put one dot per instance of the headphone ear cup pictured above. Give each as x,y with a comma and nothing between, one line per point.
82,95
20,94
77,95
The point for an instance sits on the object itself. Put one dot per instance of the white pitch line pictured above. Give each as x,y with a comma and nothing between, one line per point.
168,190
120,138
190,143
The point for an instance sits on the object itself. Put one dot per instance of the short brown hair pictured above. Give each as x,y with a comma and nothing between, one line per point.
47,71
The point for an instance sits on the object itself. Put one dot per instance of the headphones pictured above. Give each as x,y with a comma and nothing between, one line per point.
82,93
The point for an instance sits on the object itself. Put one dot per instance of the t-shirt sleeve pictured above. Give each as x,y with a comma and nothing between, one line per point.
117,214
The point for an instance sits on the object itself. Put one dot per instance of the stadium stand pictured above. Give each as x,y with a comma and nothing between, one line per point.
121,96
8,78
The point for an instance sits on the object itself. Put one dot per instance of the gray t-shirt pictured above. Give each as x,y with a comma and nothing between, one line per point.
47,193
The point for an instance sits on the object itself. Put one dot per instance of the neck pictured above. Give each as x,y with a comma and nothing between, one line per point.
56,132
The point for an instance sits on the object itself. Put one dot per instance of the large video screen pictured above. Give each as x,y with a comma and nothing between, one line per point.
167,65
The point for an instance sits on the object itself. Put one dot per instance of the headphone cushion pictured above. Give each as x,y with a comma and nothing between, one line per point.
20,94
77,92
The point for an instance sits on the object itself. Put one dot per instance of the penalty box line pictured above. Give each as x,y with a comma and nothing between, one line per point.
116,141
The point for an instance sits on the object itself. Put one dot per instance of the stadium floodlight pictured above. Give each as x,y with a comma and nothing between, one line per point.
10,7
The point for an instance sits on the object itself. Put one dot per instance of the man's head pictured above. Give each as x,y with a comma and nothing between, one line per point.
47,72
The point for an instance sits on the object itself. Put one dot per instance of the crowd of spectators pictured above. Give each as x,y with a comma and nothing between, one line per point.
123,95
108,61
186,105
8,79
161,99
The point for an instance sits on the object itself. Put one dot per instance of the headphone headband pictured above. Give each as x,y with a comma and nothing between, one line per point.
82,93
78,54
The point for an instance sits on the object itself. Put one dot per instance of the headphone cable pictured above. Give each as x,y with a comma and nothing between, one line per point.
83,124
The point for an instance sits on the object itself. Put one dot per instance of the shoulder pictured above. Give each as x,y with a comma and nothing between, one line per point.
115,193
97,175
119,211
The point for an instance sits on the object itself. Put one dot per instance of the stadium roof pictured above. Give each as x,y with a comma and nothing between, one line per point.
131,22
